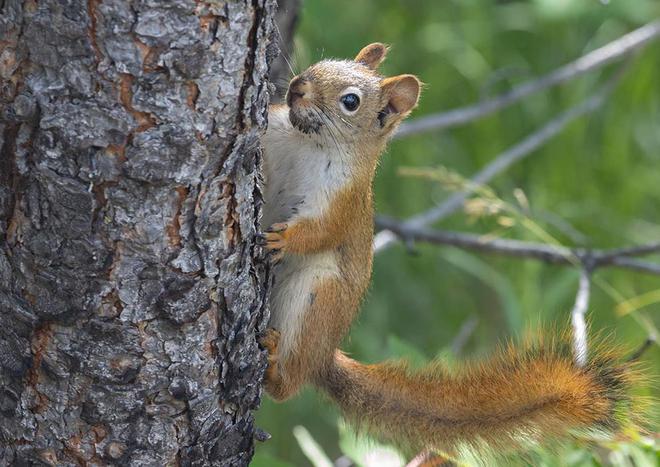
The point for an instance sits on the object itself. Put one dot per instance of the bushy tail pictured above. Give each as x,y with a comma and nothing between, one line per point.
537,393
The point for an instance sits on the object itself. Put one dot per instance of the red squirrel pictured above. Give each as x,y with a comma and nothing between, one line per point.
321,150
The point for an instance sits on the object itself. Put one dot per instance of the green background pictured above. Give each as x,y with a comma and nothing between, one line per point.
596,184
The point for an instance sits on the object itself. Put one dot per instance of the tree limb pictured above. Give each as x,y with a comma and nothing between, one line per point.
638,250
595,59
636,265
131,290
552,254
503,161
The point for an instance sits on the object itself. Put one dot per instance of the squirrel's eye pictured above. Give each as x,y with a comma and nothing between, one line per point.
350,102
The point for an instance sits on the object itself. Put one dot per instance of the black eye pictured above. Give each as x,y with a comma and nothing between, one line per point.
351,102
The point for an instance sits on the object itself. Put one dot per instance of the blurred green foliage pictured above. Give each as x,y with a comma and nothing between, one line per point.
600,176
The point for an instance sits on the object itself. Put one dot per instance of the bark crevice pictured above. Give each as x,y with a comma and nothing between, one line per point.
131,289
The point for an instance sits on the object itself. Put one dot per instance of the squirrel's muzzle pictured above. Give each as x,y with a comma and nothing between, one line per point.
300,89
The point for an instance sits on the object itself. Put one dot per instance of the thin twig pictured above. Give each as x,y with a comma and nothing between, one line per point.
636,265
552,254
639,250
595,59
512,155
577,318
407,232
502,161
637,354
464,333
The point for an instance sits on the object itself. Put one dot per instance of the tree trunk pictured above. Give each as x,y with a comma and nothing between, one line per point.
131,288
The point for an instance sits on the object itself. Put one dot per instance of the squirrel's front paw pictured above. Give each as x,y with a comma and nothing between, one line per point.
274,239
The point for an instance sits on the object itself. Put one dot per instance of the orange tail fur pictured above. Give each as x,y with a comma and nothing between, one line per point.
516,397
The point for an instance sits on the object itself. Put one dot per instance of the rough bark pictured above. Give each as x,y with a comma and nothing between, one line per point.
131,289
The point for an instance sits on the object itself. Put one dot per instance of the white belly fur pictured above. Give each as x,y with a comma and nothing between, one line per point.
302,173
293,292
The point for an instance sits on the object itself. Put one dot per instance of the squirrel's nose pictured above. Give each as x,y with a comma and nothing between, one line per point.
299,88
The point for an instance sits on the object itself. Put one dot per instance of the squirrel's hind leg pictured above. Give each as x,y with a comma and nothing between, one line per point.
326,320
281,382
277,386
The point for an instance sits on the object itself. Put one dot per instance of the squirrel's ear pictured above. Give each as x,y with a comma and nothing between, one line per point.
401,92
372,55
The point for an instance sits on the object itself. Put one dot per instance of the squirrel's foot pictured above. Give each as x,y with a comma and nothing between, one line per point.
270,340
274,239
278,386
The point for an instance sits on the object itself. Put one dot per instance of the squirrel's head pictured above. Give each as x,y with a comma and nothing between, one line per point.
349,97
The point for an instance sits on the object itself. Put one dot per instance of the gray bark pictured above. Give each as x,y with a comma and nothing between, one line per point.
131,289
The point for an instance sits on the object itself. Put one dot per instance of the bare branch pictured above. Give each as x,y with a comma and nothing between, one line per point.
577,318
464,333
636,265
639,250
512,155
595,59
552,254
547,253
502,161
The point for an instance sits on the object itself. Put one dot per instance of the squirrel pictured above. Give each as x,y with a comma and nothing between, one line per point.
321,150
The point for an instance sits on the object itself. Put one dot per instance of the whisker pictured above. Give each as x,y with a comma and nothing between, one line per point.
282,51
318,111
333,129
332,113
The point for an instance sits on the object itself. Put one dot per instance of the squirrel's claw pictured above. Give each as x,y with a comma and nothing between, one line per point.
274,241
269,340
275,256
277,227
